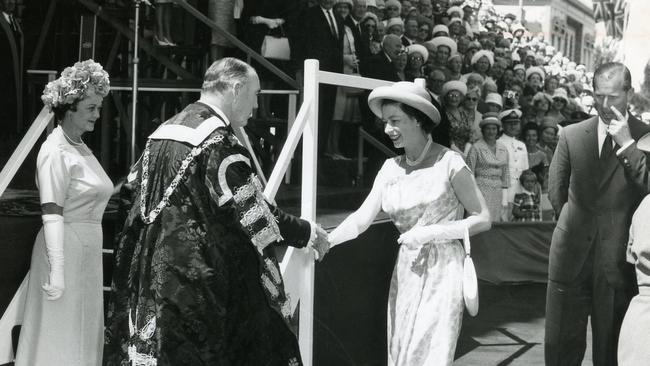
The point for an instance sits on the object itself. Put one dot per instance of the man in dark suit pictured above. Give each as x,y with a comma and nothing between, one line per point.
597,179
11,67
410,32
320,36
382,65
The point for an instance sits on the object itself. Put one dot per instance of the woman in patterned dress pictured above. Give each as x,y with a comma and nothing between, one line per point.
426,192
453,94
488,159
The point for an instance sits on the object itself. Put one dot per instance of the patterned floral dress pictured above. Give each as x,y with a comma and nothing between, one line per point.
199,284
425,304
491,172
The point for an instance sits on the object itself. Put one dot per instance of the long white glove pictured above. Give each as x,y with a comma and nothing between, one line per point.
346,231
53,230
420,235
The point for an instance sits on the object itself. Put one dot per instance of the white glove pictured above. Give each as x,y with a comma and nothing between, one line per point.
420,235
344,232
53,231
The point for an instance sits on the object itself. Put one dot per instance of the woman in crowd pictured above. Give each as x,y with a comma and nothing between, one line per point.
417,57
474,117
548,136
541,105
395,26
559,106
550,84
221,12
425,192
536,156
453,94
488,159
481,62
424,31
455,65
64,316
534,78
163,36
346,105
369,33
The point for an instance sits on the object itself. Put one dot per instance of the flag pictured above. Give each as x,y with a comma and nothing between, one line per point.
612,12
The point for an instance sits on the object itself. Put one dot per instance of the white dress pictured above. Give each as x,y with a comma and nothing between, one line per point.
68,331
425,304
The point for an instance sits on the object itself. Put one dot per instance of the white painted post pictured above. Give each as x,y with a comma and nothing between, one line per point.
291,117
308,208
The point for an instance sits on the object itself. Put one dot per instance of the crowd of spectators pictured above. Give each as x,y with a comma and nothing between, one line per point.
504,93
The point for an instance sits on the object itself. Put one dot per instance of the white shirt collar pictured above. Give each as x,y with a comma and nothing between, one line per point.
218,111
602,132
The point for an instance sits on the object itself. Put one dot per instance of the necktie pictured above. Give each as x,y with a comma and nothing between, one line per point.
332,24
13,22
607,149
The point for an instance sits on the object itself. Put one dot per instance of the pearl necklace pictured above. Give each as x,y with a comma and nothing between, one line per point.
417,161
71,141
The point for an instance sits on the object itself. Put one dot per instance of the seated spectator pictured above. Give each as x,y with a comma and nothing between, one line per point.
417,56
395,26
526,205
488,160
410,32
440,30
473,79
456,28
482,61
437,78
392,9
445,47
455,65
400,66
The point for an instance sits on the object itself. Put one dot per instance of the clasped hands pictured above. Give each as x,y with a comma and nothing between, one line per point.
321,245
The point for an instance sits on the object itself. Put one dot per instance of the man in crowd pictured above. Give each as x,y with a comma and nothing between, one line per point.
196,281
597,179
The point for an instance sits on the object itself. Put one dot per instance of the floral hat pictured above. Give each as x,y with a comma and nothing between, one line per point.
74,84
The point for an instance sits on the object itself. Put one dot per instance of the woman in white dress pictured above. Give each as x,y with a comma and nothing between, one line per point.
63,321
425,192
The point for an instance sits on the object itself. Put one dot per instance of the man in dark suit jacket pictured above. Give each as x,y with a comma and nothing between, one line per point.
11,67
597,179
320,36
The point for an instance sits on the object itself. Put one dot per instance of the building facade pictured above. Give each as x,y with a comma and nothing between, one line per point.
568,25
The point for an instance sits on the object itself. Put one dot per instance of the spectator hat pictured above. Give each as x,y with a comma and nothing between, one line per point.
519,67
535,70
369,15
581,67
510,115
494,98
455,55
644,143
454,20
407,93
562,94
389,3
440,28
455,9
511,16
490,118
483,53
549,122
474,45
418,48
370,3
542,96
348,2
507,35
518,27
446,42
502,25
454,85
380,4
394,22
468,5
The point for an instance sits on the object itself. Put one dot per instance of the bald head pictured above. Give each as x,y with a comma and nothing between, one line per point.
392,45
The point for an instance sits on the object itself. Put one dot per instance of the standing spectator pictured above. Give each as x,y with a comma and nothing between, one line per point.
460,134
598,177
488,160
474,117
559,105
353,21
320,36
346,107
535,78
541,105
549,136
11,66
535,155
517,155
455,65
369,44
550,84
222,13
482,61
526,206
410,35
163,34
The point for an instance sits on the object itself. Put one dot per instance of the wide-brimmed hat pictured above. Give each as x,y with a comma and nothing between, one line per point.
454,20
369,15
456,9
447,42
347,2
405,92
494,98
562,94
510,115
511,16
440,28
455,55
393,3
490,118
418,48
483,53
535,70
454,85
517,27
474,45
644,143
396,21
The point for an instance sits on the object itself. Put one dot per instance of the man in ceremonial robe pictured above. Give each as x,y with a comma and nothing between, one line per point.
195,279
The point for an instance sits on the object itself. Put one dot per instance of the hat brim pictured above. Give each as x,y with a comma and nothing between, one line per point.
378,95
644,143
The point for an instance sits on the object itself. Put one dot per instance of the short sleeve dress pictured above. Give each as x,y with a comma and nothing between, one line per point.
68,331
425,304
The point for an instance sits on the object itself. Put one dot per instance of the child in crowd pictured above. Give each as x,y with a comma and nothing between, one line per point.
526,204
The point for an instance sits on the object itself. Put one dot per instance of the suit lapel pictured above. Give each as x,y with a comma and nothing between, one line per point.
591,150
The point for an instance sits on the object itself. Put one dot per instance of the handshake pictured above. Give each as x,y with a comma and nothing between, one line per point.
320,245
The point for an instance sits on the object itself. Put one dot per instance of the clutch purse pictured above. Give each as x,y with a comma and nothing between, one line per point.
470,281
276,48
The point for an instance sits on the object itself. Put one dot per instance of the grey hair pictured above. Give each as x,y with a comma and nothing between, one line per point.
609,69
225,73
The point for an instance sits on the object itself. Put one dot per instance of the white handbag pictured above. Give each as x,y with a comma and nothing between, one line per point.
470,281
276,48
